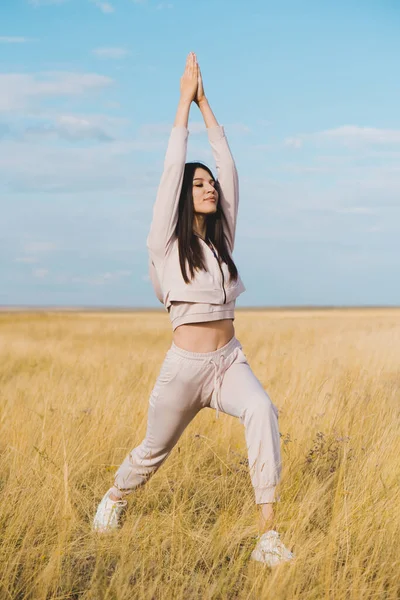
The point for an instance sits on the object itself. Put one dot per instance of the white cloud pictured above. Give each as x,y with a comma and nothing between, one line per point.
76,127
39,247
105,7
38,167
101,279
110,52
18,90
33,252
26,260
293,142
373,135
13,40
301,169
51,124
348,135
356,210
40,273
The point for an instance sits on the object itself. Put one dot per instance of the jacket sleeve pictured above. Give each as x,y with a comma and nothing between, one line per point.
155,280
165,209
228,179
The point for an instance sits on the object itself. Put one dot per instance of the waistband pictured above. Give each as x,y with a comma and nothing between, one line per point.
226,350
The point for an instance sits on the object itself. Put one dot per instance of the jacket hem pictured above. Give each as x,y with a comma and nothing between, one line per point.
213,296
203,317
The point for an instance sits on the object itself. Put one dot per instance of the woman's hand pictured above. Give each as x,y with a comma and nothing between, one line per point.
189,79
200,96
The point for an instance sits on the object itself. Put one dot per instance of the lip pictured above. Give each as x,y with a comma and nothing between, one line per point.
210,199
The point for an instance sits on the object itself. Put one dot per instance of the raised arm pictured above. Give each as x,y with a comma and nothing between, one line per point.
227,174
165,209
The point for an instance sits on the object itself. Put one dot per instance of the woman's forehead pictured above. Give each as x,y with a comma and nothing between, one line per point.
202,174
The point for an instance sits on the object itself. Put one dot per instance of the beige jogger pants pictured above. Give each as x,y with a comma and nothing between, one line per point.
222,380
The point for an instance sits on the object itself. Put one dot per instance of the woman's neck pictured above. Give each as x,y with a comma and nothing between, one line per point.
200,235
199,225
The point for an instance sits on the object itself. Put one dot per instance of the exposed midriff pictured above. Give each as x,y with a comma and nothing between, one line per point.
200,327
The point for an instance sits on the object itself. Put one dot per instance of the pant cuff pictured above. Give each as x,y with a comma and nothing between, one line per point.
268,494
119,493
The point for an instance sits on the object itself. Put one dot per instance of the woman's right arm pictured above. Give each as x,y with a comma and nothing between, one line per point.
165,210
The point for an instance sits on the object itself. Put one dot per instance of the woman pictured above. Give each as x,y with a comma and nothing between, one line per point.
190,246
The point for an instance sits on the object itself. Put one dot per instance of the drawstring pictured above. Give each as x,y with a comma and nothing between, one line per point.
217,382
219,370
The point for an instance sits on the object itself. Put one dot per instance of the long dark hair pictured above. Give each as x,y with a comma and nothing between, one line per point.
190,249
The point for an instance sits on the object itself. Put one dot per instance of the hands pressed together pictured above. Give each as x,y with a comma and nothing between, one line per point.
191,81
192,90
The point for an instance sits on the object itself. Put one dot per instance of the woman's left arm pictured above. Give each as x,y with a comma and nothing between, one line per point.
227,174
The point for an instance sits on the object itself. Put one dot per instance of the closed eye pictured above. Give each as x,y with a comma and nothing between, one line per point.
199,178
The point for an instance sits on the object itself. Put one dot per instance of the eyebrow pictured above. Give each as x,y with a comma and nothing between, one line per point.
202,178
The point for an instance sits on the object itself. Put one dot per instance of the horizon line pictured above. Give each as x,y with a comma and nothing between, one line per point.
111,308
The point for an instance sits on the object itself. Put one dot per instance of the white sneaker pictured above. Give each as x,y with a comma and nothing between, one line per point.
108,514
271,550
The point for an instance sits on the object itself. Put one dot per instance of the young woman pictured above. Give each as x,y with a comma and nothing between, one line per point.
190,245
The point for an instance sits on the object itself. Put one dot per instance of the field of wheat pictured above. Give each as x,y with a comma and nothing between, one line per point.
74,396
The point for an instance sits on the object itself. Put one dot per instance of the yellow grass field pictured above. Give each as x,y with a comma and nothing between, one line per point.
74,396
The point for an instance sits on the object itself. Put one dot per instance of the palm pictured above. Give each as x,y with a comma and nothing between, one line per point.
200,89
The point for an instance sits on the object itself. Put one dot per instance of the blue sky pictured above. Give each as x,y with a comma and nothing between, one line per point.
309,96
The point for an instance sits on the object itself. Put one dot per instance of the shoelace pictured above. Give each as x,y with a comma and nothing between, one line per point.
121,502
219,369
278,548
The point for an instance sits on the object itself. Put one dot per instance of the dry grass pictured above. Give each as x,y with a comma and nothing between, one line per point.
74,394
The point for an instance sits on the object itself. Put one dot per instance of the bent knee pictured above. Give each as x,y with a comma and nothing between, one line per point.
261,407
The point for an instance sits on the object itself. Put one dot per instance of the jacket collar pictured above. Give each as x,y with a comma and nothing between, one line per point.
208,242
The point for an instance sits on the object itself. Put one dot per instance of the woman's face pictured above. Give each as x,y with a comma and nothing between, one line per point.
205,196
